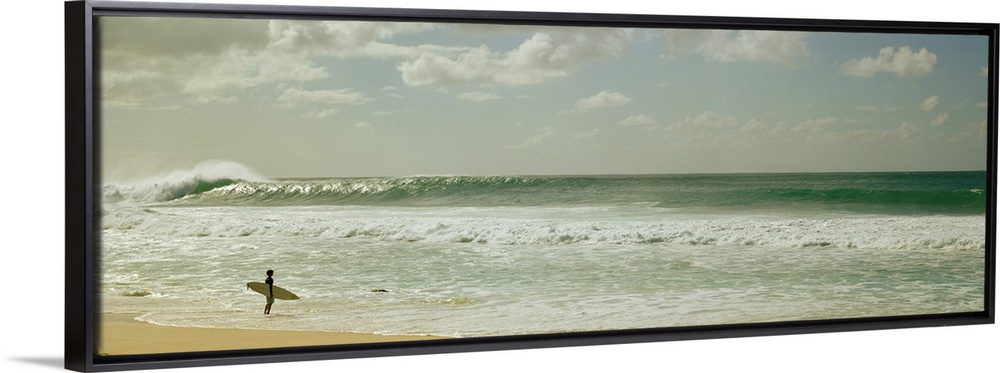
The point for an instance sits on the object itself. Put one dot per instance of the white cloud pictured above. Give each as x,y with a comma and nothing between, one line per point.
473,66
901,62
710,129
979,130
324,96
781,47
637,120
819,123
339,38
172,56
941,120
543,57
241,69
602,100
202,77
867,108
903,132
535,139
320,114
973,131
477,96
907,131
705,120
930,103
215,99
754,126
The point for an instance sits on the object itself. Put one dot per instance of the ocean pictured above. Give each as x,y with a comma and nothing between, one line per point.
468,256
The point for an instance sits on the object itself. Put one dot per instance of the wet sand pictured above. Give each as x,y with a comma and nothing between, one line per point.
121,334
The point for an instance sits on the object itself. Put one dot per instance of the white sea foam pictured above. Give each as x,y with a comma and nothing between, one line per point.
552,226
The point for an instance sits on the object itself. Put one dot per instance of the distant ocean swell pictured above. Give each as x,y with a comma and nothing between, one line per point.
905,195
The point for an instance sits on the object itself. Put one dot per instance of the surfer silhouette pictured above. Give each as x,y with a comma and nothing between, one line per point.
270,290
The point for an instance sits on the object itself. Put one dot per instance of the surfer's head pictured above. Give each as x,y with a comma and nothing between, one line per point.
270,273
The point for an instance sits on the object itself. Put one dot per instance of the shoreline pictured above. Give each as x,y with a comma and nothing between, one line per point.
122,334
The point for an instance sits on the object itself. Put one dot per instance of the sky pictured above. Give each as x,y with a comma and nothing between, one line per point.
355,99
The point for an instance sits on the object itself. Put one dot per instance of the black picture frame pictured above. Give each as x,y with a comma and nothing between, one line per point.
82,186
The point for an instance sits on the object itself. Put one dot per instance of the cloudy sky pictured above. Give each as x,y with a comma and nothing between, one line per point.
343,99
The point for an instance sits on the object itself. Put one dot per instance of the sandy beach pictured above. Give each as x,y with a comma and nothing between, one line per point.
121,334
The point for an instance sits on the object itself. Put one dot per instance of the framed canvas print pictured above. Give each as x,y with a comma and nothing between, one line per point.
255,183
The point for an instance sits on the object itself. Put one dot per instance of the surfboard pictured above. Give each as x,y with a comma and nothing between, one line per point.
279,293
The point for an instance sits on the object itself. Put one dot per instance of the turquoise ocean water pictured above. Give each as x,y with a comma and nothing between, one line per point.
506,255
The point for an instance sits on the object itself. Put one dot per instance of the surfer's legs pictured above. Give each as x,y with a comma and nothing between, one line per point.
267,308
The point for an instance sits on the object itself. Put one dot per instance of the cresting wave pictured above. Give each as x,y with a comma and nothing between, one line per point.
410,191
487,191
200,190
170,186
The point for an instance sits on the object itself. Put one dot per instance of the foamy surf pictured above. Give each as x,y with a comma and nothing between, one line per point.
483,255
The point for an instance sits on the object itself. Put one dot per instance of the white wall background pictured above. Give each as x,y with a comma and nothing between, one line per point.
31,218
